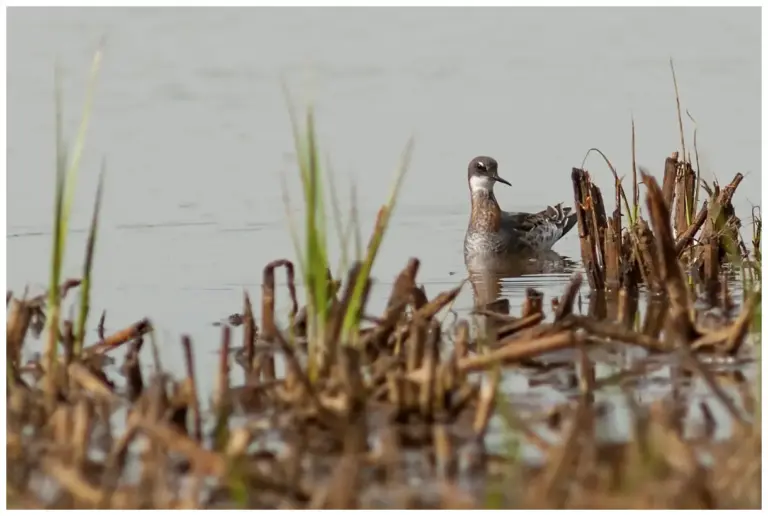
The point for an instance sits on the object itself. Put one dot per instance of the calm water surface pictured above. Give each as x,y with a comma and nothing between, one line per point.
191,119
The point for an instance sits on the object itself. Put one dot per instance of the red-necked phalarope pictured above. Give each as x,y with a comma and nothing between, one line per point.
493,233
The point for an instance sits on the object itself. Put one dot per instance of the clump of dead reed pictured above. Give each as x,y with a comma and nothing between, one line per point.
617,256
413,400
689,249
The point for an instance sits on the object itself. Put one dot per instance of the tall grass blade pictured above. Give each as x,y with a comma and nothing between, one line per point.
355,221
679,113
85,286
314,264
352,316
635,192
66,178
56,258
341,232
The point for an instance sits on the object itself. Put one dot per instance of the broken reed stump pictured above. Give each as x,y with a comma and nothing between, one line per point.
590,213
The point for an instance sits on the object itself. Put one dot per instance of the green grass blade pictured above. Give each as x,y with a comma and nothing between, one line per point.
300,159
337,220
293,229
85,286
53,290
352,316
317,258
66,177
314,259
74,165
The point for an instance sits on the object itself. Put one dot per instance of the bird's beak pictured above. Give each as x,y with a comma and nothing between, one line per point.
500,180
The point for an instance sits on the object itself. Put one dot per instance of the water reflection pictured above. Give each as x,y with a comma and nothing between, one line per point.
487,275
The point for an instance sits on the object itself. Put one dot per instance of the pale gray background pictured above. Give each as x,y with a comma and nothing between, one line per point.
190,115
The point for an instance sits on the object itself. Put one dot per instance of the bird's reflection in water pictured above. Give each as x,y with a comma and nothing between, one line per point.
486,275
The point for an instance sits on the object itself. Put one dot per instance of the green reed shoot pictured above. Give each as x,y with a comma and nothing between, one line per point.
351,322
757,231
635,191
85,286
66,179
617,181
313,258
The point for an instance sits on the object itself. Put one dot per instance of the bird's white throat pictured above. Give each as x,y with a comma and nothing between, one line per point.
481,184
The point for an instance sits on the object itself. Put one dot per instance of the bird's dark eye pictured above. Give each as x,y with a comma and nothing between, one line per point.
481,165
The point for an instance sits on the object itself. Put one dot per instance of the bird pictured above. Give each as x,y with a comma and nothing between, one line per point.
494,234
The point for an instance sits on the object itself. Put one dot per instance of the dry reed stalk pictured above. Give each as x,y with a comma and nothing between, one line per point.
249,333
414,356
740,327
461,346
430,364
221,401
345,483
670,175
189,360
628,309
81,432
203,461
68,343
613,254
119,338
516,351
497,311
405,282
19,317
486,403
613,331
719,227
116,461
418,298
330,349
132,371
376,339
710,253
64,289
565,306
80,374
586,369
690,361
445,459
671,274
86,494
357,431
552,489
428,310
390,456
647,255
100,328
584,204
268,328
518,325
343,488
683,240
685,184
533,302
305,391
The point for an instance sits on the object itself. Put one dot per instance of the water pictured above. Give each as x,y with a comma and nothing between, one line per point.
191,119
